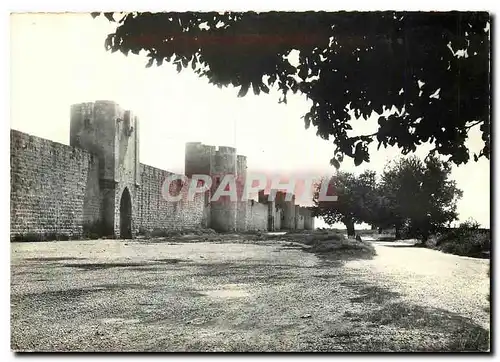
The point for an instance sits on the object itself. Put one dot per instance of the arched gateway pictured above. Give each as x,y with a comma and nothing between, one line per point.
126,215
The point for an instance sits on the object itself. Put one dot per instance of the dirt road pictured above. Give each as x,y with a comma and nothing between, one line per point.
109,295
430,278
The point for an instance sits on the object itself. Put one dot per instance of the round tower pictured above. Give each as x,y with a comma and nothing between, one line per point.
198,159
223,210
242,206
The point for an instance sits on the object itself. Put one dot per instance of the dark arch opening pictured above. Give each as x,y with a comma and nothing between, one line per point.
126,215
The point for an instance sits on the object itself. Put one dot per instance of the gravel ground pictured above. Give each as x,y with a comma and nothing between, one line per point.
431,278
111,295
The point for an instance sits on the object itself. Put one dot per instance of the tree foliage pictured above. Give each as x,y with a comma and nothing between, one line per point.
355,197
419,196
411,194
426,75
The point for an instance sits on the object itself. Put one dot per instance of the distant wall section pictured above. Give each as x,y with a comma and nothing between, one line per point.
154,212
257,216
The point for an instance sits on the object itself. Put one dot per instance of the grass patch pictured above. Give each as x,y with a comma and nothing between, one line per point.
385,238
459,334
341,246
36,237
470,339
92,231
329,243
318,241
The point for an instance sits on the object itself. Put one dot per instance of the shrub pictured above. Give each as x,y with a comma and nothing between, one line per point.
469,224
27,237
466,240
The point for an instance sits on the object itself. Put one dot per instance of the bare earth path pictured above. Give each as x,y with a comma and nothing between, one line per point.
430,278
109,295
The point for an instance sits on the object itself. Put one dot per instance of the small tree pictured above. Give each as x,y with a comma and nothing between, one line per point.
420,196
355,199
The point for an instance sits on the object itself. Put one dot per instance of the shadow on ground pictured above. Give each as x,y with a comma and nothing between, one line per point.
255,299
391,324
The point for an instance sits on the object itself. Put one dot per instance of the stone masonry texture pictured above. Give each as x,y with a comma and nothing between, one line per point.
54,187
97,186
154,212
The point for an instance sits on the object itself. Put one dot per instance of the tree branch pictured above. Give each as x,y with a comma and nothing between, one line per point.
473,124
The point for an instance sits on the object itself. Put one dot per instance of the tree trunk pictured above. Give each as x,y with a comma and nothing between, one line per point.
349,224
398,233
425,237
380,230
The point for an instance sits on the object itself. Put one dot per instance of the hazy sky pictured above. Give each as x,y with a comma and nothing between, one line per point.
58,60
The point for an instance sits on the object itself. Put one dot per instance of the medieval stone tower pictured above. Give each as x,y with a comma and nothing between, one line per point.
96,187
112,134
225,214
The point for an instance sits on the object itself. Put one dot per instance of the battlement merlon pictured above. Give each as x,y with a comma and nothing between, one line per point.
226,150
98,113
104,128
224,161
89,108
213,160
198,159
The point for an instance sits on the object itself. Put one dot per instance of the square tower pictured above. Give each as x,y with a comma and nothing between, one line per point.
112,134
